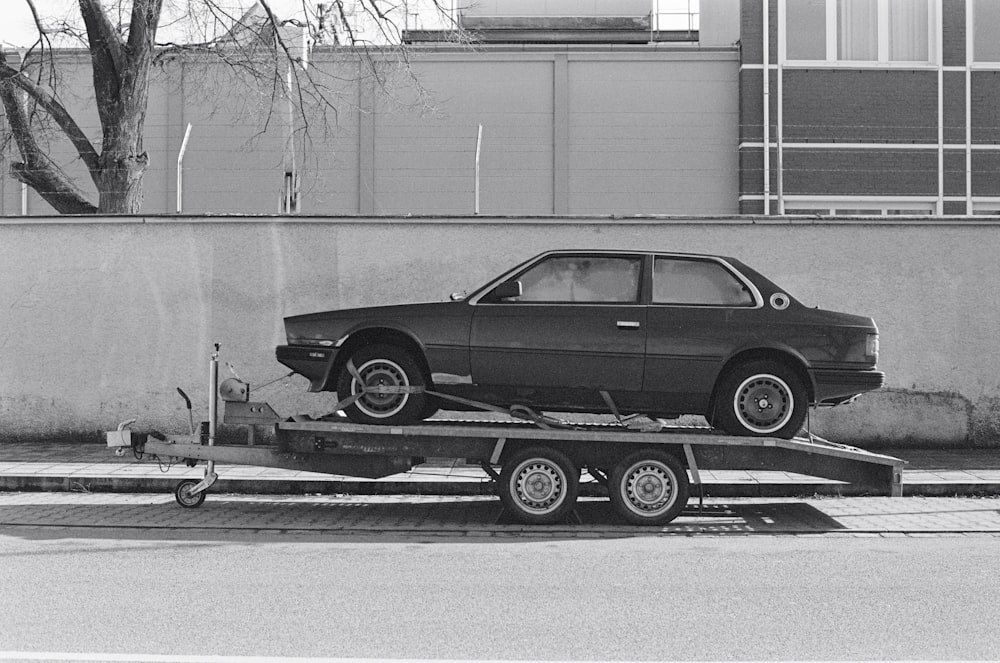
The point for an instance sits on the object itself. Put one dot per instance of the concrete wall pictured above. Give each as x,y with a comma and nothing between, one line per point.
104,318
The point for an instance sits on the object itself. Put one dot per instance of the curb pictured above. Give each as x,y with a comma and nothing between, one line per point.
468,487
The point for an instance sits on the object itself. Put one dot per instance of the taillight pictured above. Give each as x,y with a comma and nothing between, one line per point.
871,346
315,341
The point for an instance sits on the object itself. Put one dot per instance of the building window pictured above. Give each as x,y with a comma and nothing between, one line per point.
859,207
985,19
858,31
986,208
805,30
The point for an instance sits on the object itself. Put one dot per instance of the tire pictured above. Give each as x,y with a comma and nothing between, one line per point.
388,365
760,398
539,485
182,493
648,487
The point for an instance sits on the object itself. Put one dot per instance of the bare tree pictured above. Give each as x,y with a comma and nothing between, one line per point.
121,38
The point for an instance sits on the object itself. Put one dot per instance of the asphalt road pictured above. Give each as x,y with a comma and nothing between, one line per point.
196,593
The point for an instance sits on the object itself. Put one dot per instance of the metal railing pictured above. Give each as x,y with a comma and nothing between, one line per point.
664,15
674,16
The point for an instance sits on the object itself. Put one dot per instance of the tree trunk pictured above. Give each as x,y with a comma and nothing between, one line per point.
121,84
121,183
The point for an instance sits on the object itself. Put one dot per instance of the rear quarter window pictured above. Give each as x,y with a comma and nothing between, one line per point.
697,283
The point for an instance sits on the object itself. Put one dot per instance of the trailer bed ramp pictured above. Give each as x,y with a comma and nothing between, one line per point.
480,441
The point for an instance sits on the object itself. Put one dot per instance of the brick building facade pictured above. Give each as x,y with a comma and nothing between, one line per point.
873,107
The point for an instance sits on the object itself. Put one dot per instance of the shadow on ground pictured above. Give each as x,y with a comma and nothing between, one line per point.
458,518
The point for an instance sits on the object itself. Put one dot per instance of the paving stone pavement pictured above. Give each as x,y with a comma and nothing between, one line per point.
84,487
74,514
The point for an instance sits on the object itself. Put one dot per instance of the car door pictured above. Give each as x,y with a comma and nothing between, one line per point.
700,309
577,323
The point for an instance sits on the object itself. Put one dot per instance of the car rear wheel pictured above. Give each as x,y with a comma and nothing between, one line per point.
648,487
761,398
539,485
392,369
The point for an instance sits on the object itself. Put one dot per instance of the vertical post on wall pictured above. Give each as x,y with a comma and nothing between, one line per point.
180,169
289,201
767,106
969,55
22,56
936,28
479,144
560,134
779,72
652,20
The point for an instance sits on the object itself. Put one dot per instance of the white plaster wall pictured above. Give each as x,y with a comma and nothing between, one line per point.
103,319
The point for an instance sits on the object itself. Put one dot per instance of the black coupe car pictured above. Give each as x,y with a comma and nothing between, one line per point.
662,334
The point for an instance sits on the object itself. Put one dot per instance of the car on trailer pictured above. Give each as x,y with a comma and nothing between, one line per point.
644,463
663,334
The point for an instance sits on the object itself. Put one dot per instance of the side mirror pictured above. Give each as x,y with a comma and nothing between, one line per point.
508,289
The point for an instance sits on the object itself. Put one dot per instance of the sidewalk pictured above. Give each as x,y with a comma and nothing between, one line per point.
59,466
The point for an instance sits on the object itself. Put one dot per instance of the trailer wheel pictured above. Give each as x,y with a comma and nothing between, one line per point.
539,485
185,497
389,366
648,487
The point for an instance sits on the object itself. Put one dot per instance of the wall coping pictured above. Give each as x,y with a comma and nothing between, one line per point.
437,219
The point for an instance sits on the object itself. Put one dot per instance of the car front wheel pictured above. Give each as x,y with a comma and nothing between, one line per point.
382,377
761,398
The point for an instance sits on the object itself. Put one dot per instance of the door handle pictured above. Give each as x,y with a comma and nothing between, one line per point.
628,324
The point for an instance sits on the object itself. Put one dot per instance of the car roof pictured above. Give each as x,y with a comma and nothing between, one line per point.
636,252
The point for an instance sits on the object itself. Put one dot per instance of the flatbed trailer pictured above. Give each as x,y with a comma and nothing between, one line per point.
647,465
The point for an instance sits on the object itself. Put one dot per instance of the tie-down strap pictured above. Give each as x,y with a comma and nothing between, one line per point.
516,411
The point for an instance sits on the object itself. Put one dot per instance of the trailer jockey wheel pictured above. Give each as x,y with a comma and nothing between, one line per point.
185,497
648,487
539,485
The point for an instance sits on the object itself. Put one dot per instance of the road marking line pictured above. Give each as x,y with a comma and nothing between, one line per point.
208,658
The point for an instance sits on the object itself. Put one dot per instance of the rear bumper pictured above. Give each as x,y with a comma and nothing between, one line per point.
839,385
315,364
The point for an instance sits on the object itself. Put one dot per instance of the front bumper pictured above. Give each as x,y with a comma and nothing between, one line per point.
314,363
839,385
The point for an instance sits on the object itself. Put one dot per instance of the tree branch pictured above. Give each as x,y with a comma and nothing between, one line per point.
10,77
37,170
106,53
142,28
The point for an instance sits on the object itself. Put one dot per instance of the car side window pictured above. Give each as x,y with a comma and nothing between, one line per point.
587,279
697,283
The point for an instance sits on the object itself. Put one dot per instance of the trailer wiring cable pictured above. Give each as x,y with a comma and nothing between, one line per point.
165,465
